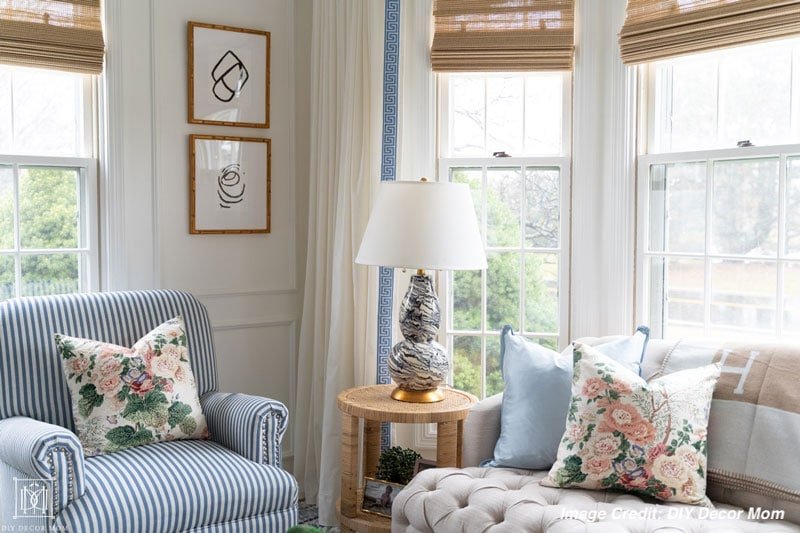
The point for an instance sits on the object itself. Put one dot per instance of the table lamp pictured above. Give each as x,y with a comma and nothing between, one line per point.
421,225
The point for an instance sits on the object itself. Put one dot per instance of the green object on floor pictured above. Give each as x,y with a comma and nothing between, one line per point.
304,529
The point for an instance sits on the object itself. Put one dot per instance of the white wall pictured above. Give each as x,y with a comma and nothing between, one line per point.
248,282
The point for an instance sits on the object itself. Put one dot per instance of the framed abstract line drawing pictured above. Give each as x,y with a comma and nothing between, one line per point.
231,184
228,76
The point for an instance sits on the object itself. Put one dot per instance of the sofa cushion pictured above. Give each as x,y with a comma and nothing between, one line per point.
175,486
507,500
627,434
124,397
537,394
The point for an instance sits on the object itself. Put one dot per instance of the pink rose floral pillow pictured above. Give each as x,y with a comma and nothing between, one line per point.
626,434
123,397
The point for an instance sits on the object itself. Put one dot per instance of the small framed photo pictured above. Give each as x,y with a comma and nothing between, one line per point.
230,185
379,496
423,464
228,76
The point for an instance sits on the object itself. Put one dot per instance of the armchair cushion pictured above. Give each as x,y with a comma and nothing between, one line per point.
251,426
125,397
179,485
44,451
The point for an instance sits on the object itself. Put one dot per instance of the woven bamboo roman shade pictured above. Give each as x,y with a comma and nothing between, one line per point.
54,34
502,35
658,29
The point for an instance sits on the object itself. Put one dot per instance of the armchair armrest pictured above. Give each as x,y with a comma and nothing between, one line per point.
481,430
251,426
44,451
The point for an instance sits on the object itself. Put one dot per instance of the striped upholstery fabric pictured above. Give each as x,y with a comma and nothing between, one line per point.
277,521
179,486
251,426
41,450
233,483
31,381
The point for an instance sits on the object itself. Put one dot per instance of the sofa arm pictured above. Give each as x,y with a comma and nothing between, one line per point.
481,430
44,451
251,426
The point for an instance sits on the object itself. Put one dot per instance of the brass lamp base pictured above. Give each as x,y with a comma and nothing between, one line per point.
418,396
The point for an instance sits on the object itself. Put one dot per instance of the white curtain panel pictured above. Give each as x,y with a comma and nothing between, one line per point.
337,347
416,121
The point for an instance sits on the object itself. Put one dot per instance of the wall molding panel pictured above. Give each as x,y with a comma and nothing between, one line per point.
227,325
248,282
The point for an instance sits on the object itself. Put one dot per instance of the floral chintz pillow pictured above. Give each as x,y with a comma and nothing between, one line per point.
123,397
626,434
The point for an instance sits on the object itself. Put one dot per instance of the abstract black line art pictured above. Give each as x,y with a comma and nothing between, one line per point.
230,76
230,188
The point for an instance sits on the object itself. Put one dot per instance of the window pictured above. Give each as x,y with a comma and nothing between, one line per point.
719,234
521,203
48,183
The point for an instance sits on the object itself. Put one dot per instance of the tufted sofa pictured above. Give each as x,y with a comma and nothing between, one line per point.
509,500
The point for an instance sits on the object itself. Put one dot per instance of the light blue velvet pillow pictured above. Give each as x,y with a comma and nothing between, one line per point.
538,389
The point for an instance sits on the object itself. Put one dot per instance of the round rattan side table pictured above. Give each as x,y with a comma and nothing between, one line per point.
374,405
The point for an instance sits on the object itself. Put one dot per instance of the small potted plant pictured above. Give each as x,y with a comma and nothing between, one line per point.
395,470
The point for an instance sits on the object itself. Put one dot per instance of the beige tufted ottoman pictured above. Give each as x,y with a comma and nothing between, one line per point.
506,500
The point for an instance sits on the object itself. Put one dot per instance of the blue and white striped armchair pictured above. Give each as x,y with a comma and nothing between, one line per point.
232,482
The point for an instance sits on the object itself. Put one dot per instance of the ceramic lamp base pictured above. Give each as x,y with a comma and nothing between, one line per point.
418,396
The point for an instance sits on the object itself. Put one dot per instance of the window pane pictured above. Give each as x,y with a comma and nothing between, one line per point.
547,342
494,375
503,207
543,114
49,274
745,213
542,207
677,207
676,306
466,299
791,299
504,114
468,118
502,291
541,293
48,113
49,207
793,206
716,99
755,94
6,121
742,298
6,208
693,122
474,178
7,289
467,364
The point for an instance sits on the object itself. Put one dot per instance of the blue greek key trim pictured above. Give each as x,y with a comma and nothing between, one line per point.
391,67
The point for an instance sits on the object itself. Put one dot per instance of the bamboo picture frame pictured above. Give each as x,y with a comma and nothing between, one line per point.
230,185
228,75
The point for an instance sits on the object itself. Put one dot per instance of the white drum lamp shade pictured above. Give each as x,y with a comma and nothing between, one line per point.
423,225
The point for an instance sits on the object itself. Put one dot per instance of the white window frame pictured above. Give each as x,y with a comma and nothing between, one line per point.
86,167
563,163
646,160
